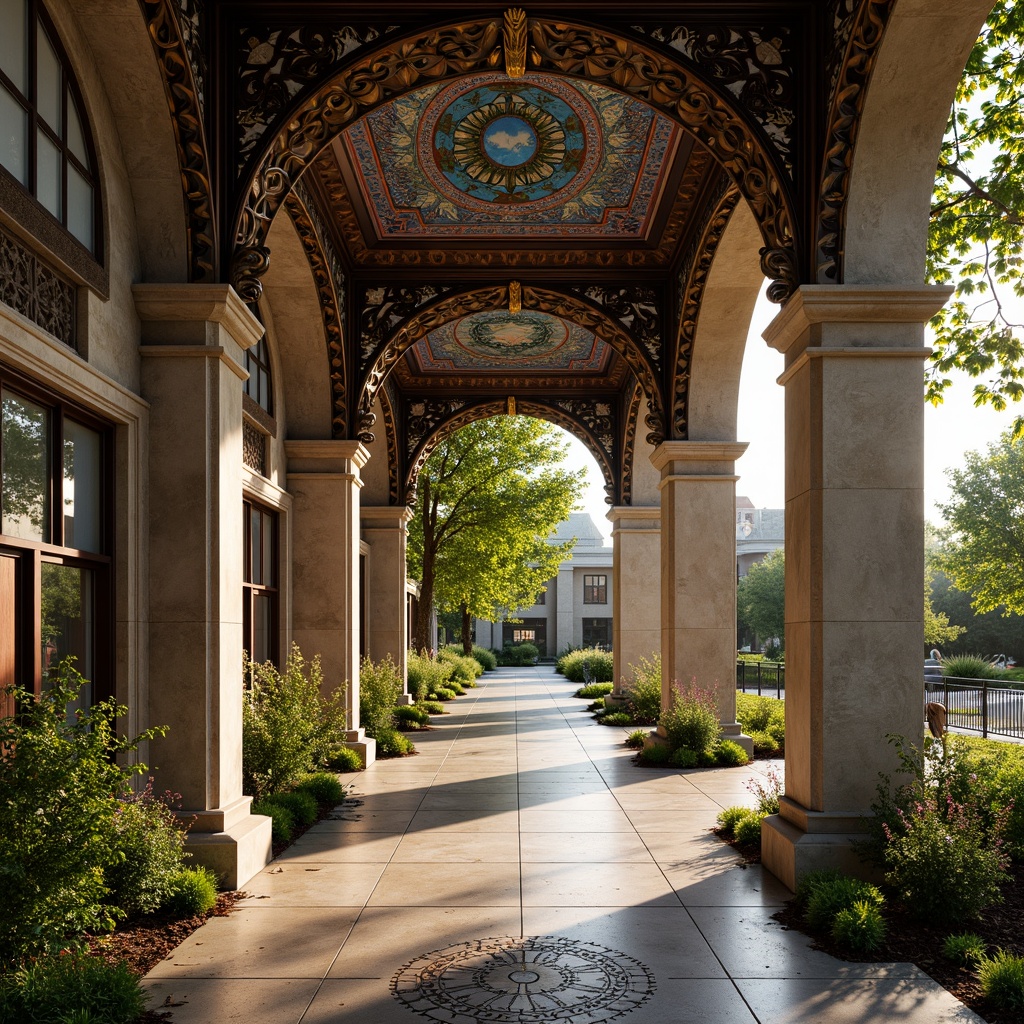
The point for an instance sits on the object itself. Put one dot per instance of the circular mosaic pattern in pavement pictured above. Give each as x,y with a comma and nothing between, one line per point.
495,141
524,981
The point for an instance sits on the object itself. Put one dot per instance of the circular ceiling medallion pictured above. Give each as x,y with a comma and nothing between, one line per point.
525,981
495,141
511,336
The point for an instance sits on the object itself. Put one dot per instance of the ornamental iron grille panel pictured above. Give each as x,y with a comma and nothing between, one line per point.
34,289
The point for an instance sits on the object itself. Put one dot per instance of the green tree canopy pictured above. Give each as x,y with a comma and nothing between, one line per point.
761,597
489,496
983,552
976,240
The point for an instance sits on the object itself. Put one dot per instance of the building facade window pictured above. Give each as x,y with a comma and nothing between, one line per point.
55,565
528,631
597,632
260,586
258,386
44,139
595,589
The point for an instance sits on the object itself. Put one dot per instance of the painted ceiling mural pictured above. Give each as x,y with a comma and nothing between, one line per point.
501,341
534,157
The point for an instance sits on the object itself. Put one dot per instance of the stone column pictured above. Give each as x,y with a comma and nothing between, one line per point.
565,616
384,529
636,585
698,571
194,337
323,479
854,558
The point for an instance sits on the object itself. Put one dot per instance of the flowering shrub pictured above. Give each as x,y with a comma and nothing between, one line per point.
692,719
766,791
643,691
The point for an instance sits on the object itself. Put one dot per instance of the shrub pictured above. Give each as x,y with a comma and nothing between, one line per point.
643,691
455,686
683,757
391,743
616,718
192,891
344,759
860,928
324,788
766,791
656,754
444,693
431,707
426,674
728,818
282,822
488,662
380,686
747,830
765,743
72,987
288,728
941,865
764,720
519,654
692,719
303,806
637,738
602,665
56,815
965,949
597,705
834,893
969,666
730,754
148,842
592,690
411,716
464,669
811,881
1002,980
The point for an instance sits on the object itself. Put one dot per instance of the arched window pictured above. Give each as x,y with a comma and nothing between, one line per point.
258,386
44,138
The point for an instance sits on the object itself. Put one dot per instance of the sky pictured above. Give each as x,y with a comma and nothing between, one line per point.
950,430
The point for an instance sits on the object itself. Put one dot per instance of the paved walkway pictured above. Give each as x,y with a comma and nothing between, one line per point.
520,817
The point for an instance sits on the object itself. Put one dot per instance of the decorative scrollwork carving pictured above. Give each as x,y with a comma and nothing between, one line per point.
383,309
754,64
637,308
329,279
650,75
388,401
32,288
514,35
184,97
424,415
254,448
693,277
629,445
599,417
844,119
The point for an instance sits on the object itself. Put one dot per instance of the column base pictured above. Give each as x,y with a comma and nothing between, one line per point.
796,841
734,731
405,700
236,854
615,699
365,746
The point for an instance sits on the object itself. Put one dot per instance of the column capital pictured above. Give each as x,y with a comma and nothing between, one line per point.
379,517
345,457
865,312
195,304
644,516
703,458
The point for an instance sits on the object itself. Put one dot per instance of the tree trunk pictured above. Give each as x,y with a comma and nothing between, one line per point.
467,632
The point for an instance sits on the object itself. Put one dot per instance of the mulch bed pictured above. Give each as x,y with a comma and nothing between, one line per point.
913,942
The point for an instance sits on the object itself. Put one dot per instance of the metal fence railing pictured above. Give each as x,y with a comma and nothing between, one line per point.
976,705
761,677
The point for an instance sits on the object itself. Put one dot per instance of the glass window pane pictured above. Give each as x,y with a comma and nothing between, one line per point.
67,622
14,42
48,83
76,136
23,453
80,207
268,550
81,488
255,545
13,136
261,625
264,397
48,163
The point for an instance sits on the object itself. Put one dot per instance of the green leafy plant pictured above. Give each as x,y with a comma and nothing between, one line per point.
833,892
1002,979
692,718
324,788
655,755
731,755
391,743
965,948
969,666
860,928
592,690
192,891
411,716
288,728
444,693
643,691
302,805
344,759
148,842
574,665
747,830
488,662
71,986
57,810
616,718
431,707
597,706
282,821
637,738
464,669
425,674
380,686
683,757
456,687
728,818
519,654
764,720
